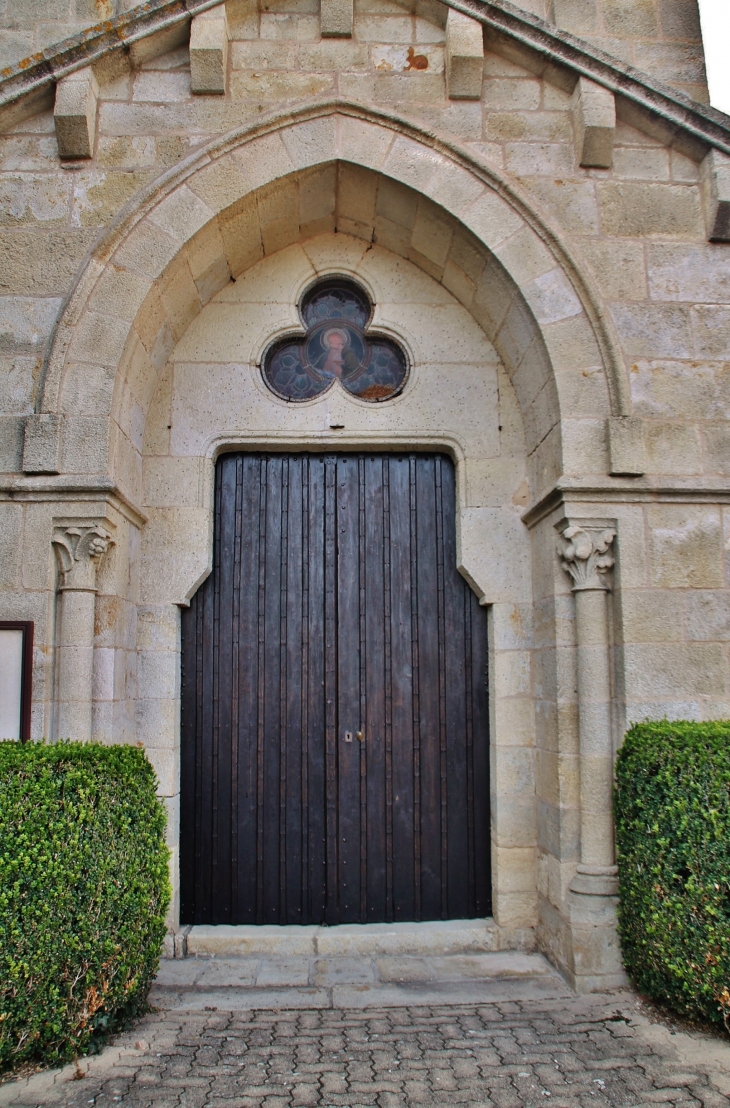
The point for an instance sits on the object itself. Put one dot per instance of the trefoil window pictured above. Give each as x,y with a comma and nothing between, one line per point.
336,346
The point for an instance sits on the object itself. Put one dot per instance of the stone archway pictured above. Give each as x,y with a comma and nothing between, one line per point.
164,258
246,199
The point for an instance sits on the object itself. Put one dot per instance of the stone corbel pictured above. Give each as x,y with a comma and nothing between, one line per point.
715,178
594,117
464,57
209,52
75,114
336,18
79,551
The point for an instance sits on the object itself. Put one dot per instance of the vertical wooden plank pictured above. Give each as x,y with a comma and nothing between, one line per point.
316,714
469,743
248,725
480,768
330,683
272,691
429,692
402,684
443,748
415,690
222,689
348,688
377,689
305,876
388,687
292,710
261,693
206,650
283,677
189,832
362,656
454,595
235,687
213,696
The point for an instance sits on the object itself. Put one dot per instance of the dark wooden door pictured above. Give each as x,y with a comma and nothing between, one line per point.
334,699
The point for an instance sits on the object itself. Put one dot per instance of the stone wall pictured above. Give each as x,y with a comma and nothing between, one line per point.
27,26
590,299
659,37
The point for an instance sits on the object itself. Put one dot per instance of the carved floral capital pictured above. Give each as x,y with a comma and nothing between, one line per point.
79,551
586,555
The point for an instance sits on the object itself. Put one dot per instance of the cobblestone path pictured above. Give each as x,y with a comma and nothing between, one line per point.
566,1053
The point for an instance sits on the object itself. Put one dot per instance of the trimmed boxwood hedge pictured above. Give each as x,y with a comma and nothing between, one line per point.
672,806
84,889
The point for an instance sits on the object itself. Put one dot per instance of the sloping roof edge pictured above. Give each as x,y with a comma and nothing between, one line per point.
559,48
28,87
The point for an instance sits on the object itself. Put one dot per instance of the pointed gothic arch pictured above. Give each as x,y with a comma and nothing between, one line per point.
183,238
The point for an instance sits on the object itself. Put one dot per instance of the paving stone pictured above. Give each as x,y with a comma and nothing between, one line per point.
571,1053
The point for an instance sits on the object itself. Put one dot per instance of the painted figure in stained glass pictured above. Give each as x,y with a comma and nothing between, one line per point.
335,348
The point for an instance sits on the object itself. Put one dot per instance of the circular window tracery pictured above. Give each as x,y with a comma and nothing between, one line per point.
336,346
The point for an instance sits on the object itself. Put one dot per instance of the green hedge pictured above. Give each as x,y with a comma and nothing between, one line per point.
672,808
83,893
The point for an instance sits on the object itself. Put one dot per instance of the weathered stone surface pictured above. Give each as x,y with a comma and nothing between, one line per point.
626,448
336,18
42,444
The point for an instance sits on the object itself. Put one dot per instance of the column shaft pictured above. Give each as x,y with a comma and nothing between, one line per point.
79,548
594,723
75,664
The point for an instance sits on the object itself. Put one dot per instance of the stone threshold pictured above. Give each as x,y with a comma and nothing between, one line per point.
438,937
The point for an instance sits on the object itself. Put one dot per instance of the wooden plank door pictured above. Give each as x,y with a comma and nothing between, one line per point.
334,699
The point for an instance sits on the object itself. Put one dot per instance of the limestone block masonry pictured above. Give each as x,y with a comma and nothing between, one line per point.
536,203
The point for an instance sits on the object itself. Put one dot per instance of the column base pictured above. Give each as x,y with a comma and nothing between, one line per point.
597,963
595,881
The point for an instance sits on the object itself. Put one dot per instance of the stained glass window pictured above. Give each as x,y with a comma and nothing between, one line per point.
336,346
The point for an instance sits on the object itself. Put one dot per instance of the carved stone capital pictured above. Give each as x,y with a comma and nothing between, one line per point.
586,554
79,550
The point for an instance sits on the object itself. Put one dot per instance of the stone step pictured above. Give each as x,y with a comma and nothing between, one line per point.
260,981
433,937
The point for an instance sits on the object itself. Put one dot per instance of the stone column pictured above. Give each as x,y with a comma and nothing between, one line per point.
585,550
585,553
79,549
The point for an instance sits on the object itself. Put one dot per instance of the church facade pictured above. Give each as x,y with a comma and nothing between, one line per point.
364,441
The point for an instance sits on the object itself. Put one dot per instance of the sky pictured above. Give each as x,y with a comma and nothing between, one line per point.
715,17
